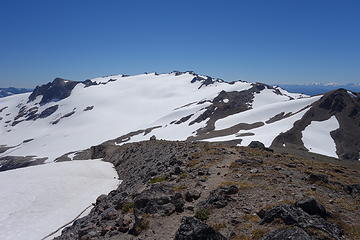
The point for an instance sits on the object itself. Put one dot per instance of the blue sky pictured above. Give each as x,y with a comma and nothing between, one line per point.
288,41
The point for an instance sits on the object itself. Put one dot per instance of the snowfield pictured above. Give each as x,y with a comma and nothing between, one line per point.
35,201
317,138
264,112
120,106
123,104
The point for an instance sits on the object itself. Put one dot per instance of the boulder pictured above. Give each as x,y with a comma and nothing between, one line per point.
293,233
257,144
193,229
192,195
292,215
159,199
313,178
353,189
312,207
219,198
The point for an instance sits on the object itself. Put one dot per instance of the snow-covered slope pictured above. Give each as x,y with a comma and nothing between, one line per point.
36,201
66,116
120,106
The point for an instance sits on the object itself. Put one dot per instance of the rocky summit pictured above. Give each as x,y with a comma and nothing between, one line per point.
213,191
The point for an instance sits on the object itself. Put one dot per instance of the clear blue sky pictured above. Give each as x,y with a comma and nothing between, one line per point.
273,41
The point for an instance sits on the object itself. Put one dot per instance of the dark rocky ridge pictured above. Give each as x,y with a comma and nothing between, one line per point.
13,162
56,90
346,108
237,102
184,190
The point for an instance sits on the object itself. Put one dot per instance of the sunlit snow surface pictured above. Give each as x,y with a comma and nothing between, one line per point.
317,138
35,201
121,106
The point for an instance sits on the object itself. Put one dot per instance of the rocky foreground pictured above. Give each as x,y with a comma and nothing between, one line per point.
185,191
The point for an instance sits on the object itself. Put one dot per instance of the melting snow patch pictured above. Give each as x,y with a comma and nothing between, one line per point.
317,138
37,200
226,100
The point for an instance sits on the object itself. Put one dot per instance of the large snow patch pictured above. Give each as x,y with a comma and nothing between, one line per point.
35,201
317,138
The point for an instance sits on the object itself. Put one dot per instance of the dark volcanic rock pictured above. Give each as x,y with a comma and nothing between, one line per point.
313,178
293,233
192,195
159,199
341,104
98,151
159,176
353,189
13,162
89,108
193,229
219,198
47,112
257,144
334,102
312,207
292,215
56,90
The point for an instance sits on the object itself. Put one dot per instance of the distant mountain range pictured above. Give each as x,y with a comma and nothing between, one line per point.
63,117
308,89
319,88
4,92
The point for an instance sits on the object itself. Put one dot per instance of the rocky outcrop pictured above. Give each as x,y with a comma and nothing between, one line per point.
312,207
299,215
342,104
159,199
219,198
198,190
56,90
13,162
193,229
257,144
293,233
353,189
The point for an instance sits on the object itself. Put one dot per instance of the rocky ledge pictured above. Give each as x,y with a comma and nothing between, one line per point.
210,191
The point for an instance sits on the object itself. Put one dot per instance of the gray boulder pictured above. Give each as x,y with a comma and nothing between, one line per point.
293,233
220,197
193,229
257,144
159,199
292,215
312,207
